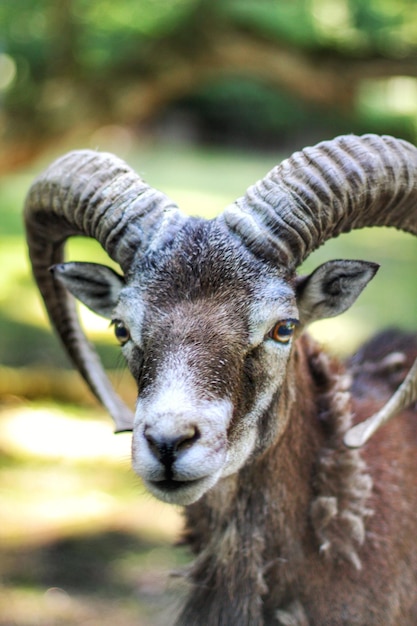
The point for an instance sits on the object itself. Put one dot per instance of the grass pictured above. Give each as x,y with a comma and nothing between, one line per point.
80,541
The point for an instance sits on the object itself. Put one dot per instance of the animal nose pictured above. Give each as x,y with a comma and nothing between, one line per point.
167,448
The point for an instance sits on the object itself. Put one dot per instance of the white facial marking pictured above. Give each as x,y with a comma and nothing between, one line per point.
173,410
273,303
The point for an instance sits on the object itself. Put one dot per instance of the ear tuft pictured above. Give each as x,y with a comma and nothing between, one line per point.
96,286
332,288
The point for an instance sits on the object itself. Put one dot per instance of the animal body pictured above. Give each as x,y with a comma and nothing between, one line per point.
240,416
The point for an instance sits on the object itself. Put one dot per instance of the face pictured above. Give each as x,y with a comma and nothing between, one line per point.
209,352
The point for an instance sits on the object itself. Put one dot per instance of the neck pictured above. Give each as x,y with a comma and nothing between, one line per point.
254,530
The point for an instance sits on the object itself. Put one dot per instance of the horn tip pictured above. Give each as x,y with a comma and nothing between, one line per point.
358,435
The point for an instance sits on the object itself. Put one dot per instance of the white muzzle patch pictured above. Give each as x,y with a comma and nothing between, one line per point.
179,445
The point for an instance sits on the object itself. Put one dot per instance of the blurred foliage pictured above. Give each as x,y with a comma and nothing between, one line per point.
241,112
91,63
359,25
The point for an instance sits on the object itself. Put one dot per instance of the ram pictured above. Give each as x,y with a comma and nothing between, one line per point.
240,416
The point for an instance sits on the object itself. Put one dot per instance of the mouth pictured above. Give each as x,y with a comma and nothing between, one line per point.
171,484
181,492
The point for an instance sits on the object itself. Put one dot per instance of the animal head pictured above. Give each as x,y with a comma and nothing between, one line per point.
206,311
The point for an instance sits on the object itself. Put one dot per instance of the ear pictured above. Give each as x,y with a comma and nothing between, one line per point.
96,286
332,288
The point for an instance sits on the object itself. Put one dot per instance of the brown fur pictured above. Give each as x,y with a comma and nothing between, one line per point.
311,533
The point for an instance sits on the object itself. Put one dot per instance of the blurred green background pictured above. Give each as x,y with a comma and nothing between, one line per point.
202,97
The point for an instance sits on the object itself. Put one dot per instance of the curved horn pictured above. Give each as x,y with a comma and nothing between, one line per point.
323,191
95,195
405,395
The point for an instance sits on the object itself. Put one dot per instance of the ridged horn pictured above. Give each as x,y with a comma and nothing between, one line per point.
94,195
323,191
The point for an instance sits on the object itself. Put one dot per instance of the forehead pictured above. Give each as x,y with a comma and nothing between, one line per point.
205,263
204,256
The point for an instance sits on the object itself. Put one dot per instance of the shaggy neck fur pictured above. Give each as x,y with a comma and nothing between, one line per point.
306,490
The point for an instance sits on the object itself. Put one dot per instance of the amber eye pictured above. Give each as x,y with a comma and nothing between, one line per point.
283,331
122,333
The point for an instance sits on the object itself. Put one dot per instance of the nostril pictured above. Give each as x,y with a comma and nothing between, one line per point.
167,447
188,438
153,443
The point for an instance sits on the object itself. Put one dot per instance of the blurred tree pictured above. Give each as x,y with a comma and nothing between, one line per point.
80,62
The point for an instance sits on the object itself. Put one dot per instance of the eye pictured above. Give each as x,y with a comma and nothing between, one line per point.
122,333
283,331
